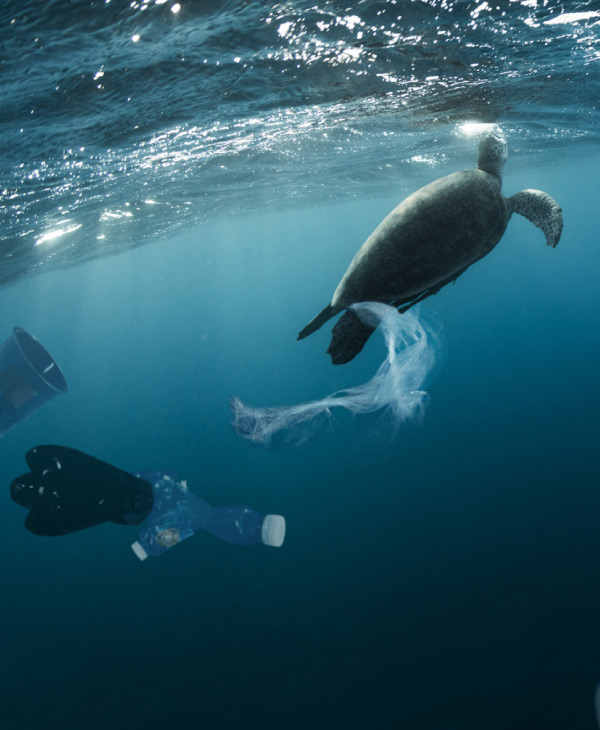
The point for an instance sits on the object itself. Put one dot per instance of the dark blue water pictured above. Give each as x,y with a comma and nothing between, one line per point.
445,579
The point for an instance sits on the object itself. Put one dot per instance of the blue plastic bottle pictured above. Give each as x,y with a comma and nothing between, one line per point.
178,513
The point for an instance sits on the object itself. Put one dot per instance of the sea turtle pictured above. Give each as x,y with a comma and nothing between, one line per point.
429,240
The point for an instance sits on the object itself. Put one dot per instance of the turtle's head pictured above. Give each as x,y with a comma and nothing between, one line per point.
493,152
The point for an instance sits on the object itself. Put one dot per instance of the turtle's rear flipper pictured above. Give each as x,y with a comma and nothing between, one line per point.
318,321
348,338
542,210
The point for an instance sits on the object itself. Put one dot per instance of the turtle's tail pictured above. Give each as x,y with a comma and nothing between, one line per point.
348,338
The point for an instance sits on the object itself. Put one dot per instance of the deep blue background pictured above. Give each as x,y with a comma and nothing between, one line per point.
448,580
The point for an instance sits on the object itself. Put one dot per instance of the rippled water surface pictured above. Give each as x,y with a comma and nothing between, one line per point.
121,122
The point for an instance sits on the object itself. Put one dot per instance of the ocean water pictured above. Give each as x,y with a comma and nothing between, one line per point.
235,155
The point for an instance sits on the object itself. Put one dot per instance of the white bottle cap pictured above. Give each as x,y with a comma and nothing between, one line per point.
139,551
273,530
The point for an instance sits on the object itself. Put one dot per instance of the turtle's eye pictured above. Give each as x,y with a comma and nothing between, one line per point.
499,150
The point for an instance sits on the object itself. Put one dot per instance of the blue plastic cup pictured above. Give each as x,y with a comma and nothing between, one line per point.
29,377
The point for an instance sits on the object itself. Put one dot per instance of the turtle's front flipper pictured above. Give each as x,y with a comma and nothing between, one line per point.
403,305
542,210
